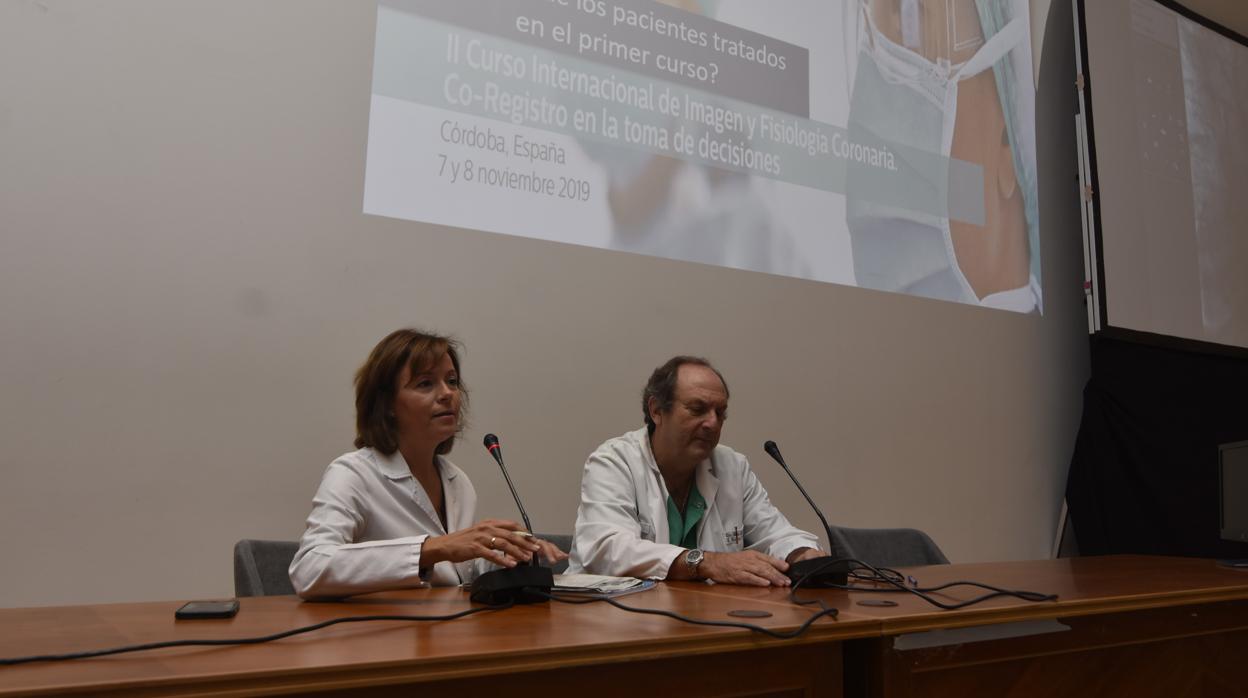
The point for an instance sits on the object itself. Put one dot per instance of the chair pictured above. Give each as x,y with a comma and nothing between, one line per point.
260,567
564,543
888,547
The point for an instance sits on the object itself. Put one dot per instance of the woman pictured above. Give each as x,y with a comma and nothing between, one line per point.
396,513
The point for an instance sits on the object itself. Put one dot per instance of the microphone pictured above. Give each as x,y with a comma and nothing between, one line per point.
821,571
491,445
523,583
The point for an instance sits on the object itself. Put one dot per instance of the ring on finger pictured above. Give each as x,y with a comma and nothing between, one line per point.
492,539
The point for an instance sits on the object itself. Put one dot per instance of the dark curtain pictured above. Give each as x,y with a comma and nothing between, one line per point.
1144,474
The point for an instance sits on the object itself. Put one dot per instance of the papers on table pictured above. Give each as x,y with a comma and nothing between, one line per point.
601,585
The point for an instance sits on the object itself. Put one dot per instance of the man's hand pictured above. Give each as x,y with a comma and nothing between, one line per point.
748,567
804,554
549,551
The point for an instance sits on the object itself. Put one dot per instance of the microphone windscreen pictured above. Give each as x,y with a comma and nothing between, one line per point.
491,441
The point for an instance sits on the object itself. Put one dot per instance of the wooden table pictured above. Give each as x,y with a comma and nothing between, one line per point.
1122,624
544,648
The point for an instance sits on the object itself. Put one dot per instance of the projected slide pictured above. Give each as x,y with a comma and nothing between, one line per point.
887,144
1170,100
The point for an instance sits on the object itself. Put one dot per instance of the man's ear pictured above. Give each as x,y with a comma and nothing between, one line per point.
652,407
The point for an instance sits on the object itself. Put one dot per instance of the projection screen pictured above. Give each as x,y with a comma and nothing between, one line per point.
1168,97
885,144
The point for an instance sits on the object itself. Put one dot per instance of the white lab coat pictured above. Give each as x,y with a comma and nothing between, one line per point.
621,524
369,519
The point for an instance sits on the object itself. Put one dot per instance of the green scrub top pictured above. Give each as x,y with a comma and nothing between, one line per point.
683,530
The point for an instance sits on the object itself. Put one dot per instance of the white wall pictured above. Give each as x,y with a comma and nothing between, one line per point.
187,284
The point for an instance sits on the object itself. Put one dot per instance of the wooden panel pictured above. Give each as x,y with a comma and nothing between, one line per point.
811,671
1179,651
1210,665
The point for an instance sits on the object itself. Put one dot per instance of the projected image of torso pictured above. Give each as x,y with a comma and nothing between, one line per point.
950,77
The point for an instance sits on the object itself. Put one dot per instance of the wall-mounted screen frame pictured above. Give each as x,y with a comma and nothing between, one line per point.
1159,171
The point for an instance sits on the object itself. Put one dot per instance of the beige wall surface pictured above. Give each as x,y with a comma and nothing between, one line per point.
187,283
1229,13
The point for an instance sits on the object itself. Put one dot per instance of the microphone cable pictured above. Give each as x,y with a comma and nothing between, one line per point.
12,661
897,585
825,612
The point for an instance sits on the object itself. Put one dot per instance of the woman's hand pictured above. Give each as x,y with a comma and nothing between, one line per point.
501,542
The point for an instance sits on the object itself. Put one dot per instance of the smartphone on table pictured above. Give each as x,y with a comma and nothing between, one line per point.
196,610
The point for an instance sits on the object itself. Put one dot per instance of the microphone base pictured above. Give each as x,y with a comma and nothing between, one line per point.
514,585
819,572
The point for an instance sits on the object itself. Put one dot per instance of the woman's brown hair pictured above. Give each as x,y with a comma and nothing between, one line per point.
376,385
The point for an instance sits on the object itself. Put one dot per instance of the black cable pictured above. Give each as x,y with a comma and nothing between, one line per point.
893,578
882,574
1018,593
886,575
240,641
826,612
793,598
797,583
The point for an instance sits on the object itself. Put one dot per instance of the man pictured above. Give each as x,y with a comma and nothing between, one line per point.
668,502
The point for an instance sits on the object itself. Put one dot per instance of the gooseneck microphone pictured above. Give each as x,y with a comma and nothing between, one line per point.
816,572
523,583
491,445
774,451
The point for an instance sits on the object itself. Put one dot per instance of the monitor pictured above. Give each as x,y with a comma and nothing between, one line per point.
1233,490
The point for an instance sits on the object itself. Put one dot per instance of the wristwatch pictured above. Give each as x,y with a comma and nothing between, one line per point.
693,558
